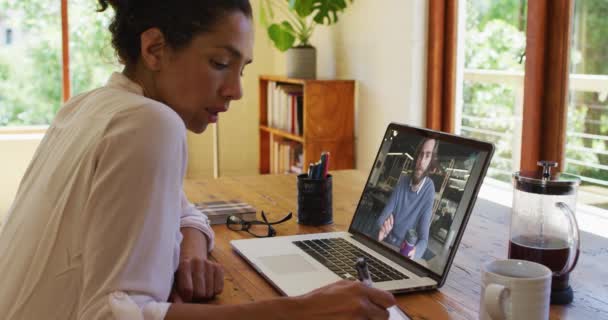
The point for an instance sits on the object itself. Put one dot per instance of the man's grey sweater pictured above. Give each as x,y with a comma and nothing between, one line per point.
411,210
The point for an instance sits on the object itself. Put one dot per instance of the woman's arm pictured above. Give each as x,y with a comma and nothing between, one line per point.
197,279
343,300
192,218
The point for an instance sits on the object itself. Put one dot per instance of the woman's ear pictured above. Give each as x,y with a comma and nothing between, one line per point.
152,48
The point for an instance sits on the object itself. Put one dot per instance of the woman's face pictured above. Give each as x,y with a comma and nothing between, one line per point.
199,80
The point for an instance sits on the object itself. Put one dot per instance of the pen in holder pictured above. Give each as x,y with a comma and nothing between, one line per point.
315,200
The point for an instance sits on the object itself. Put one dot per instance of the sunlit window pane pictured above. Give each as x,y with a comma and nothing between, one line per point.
491,103
587,137
30,62
92,57
30,57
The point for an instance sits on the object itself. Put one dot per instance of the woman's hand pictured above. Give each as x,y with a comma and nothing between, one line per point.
346,300
386,228
197,279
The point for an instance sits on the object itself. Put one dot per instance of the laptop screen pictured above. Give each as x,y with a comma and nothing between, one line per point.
417,195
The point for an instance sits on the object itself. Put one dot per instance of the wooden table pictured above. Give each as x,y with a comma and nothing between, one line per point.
485,239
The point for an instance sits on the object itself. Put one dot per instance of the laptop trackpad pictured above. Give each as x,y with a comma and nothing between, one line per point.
288,263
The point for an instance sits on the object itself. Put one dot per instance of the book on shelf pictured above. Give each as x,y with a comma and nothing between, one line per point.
284,107
286,156
299,121
219,211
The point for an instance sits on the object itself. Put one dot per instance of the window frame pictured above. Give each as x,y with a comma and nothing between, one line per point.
547,56
544,115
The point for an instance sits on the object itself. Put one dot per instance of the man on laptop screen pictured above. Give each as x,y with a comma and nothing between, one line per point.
406,217
413,194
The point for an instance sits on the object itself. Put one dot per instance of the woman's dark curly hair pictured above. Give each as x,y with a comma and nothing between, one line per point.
178,20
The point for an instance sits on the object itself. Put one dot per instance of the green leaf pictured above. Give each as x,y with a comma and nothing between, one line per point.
302,7
282,35
326,11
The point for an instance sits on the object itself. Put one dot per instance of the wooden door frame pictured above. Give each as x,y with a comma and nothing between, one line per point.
546,82
65,52
441,65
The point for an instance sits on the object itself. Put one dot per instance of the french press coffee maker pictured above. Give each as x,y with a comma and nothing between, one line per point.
543,225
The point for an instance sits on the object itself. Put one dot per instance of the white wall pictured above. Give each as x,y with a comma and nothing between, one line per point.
14,158
382,45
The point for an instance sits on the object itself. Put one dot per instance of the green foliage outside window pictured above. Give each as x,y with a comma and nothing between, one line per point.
588,112
495,40
30,70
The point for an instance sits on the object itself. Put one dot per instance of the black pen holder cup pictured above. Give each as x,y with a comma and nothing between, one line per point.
315,201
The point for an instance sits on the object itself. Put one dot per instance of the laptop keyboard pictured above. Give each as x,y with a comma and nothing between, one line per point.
340,256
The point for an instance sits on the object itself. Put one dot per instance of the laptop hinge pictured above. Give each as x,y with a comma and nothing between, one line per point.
395,257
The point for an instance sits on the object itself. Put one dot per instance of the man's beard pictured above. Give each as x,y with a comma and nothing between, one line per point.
416,179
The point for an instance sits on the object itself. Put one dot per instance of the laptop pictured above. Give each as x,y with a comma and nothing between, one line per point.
408,223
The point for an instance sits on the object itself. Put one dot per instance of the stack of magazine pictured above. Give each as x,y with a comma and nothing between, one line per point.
219,211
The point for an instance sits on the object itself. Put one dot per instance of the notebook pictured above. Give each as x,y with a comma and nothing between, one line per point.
218,211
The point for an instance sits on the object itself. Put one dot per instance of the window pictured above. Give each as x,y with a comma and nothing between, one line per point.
505,98
490,102
587,127
92,57
31,69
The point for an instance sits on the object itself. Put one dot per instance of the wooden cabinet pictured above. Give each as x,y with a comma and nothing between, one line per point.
328,119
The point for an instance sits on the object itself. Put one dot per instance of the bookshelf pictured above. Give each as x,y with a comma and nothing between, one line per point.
325,122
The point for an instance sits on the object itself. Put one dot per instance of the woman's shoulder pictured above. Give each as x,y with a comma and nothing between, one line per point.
135,112
153,115
145,130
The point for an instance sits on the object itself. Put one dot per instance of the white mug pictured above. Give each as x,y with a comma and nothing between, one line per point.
515,289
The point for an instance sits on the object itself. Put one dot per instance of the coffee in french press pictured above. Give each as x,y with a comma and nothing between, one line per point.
543,225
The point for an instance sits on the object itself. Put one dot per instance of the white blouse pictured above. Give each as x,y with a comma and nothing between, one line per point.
94,231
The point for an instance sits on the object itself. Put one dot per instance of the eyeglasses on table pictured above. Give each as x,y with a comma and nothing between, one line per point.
257,228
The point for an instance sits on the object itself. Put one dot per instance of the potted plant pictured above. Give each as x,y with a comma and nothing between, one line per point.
290,24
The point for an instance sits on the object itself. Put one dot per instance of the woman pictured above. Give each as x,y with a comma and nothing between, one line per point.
96,229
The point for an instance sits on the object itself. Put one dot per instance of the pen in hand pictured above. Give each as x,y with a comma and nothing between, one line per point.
366,279
363,272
